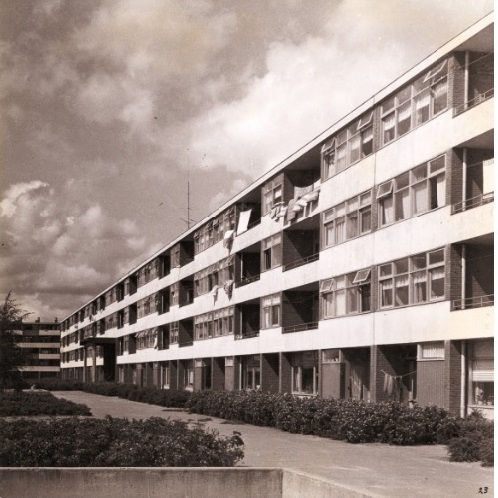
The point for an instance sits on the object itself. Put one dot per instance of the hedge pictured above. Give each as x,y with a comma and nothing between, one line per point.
348,420
162,397
114,442
37,403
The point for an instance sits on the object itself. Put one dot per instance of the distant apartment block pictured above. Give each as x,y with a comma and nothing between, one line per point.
40,342
361,267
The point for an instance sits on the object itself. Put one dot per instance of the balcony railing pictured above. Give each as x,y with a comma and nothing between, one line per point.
473,302
246,335
299,328
247,280
473,102
473,202
301,262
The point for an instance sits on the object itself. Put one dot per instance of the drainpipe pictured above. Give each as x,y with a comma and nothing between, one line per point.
462,378
463,278
464,179
466,82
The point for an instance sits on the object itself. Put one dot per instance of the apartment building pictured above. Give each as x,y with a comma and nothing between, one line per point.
361,267
40,342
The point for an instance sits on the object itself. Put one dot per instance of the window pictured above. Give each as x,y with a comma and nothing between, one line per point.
214,231
415,104
348,146
270,309
272,194
165,375
481,372
305,373
175,256
431,351
272,252
251,372
203,326
414,280
346,295
415,192
174,293
188,375
217,274
223,322
229,361
348,219
173,332
331,356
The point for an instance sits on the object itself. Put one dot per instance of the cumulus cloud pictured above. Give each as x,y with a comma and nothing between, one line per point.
46,252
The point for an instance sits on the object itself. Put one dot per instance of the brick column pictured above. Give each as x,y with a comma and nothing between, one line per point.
173,374
378,365
270,372
285,373
452,376
218,373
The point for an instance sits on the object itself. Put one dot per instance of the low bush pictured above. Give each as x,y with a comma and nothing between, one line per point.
348,420
14,404
114,442
474,441
162,397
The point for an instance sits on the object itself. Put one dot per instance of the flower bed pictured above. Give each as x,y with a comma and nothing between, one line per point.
114,442
15,404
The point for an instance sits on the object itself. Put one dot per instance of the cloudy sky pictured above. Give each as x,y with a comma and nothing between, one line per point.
108,106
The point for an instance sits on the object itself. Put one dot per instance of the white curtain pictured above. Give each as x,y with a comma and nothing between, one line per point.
441,190
340,302
420,197
420,286
387,207
488,170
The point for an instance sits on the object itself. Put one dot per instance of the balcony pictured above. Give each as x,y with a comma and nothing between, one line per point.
247,280
299,328
488,94
246,335
473,202
301,262
472,302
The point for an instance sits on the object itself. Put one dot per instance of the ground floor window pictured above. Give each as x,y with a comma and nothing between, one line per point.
188,376
251,372
164,375
305,373
481,373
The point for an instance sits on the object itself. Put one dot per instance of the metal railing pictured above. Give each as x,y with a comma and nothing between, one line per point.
245,335
473,202
299,328
473,302
301,262
473,102
247,280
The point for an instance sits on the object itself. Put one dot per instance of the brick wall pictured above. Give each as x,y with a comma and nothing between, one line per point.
285,373
218,373
452,376
269,372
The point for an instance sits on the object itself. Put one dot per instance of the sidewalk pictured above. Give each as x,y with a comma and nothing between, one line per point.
393,471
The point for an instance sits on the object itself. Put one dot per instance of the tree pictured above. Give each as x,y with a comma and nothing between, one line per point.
11,355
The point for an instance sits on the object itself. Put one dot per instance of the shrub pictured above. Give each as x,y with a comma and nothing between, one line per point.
474,441
36,403
162,397
114,442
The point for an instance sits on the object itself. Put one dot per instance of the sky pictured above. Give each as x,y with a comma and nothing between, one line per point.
108,107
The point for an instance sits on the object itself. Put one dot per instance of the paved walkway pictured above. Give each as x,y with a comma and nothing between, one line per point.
393,471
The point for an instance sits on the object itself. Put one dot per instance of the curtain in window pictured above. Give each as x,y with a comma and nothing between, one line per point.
437,282
328,305
340,302
441,190
402,204
488,176
419,286
420,198
341,158
340,230
352,299
401,285
386,292
355,147
387,210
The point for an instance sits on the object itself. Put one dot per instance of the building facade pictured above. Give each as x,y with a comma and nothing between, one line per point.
40,342
361,267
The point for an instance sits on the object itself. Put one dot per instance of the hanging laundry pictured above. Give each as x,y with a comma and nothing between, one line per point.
227,238
228,287
291,214
243,221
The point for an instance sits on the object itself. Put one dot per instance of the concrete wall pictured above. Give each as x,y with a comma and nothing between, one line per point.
149,482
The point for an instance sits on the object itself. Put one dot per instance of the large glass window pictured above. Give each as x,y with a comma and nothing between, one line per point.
413,280
415,192
346,295
347,220
348,146
173,332
271,311
481,372
415,104
271,255
272,195
305,373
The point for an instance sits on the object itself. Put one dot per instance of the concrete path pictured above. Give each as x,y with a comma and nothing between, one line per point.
378,469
